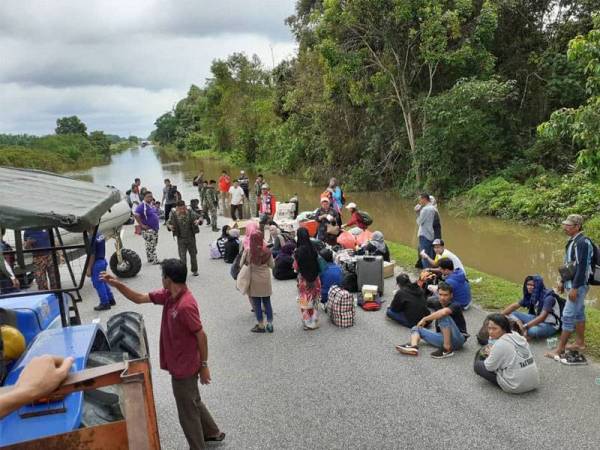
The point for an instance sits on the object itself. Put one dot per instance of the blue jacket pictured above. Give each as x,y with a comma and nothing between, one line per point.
461,290
534,302
331,274
579,250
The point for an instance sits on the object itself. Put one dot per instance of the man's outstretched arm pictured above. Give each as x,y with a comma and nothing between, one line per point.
134,296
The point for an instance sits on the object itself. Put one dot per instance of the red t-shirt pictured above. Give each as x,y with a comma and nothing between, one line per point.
179,325
357,220
224,183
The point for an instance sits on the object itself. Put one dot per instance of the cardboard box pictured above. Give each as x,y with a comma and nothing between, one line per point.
369,289
388,269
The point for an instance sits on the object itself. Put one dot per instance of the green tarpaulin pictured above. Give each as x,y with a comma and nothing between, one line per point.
36,199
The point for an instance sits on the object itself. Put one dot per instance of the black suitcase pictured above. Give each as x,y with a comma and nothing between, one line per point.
369,270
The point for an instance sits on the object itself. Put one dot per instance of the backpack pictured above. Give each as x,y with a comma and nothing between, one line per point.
595,275
340,306
561,302
366,218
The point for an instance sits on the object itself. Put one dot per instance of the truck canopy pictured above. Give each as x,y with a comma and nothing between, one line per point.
37,199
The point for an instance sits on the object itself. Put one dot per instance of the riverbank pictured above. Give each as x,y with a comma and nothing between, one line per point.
60,153
494,293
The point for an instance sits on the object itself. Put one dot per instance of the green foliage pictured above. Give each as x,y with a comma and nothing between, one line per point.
100,142
70,125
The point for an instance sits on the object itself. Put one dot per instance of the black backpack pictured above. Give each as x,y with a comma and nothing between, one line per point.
595,275
561,305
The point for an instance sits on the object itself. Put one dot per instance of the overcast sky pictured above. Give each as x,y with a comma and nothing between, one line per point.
119,64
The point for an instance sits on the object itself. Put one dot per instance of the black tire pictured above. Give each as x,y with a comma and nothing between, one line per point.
126,333
132,264
102,405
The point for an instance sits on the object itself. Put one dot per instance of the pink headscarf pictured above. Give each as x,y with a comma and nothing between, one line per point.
251,227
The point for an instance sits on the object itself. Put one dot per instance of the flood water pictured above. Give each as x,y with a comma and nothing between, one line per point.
502,248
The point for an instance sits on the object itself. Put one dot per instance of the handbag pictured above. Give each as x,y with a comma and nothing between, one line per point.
567,271
243,279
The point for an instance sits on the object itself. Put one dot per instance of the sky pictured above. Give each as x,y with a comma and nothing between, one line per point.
120,64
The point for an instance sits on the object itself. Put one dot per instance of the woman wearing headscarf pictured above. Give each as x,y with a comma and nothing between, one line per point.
284,263
375,246
251,227
260,260
309,286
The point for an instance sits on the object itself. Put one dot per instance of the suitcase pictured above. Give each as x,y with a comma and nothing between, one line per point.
369,270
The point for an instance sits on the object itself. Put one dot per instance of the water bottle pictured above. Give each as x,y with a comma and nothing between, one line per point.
551,342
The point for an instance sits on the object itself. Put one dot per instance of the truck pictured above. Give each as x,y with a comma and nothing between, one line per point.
111,370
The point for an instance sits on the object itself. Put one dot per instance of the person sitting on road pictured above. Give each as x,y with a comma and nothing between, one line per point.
276,240
232,246
451,328
322,214
542,319
409,305
356,219
330,275
223,239
507,359
441,252
376,246
284,263
455,278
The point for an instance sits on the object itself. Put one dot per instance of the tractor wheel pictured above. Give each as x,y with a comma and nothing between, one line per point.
102,405
126,332
130,266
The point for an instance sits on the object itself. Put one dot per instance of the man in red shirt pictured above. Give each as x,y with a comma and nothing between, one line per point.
183,349
355,218
224,185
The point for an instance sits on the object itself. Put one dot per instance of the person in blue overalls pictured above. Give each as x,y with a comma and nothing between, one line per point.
97,265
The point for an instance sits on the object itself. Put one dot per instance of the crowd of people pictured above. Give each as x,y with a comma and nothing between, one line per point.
433,306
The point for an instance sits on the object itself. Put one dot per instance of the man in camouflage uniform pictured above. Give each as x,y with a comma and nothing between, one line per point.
184,225
210,203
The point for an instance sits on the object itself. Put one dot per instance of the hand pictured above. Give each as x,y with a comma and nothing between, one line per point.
422,323
423,253
88,273
108,278
204,375
15,282
42,375
560,288
573,294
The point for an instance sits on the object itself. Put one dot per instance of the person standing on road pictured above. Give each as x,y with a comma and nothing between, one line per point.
204,201
169,198
268,205
183,223
244,184
183,349
146,216
224,185
43,264
211,203
309,285
578,264
236,201
260,180
260,260
96,266
426,233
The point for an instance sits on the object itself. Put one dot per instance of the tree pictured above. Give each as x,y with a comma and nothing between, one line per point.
70,125
165,128
100,142
398,48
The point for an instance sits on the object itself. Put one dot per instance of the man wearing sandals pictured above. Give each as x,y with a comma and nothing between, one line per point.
578,256
183,349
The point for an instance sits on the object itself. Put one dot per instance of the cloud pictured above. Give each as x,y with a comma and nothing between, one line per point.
121,64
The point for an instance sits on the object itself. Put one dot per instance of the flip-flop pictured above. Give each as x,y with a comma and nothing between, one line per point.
218,438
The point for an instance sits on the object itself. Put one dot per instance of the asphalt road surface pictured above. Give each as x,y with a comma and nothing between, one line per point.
337,388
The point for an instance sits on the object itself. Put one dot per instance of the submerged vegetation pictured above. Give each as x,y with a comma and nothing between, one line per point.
70,148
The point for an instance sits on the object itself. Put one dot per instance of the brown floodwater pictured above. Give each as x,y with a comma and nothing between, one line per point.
503,248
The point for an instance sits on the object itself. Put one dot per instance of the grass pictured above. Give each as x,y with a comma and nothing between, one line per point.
494,293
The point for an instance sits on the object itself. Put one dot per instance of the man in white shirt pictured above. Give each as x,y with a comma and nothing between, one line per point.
442,252
236,200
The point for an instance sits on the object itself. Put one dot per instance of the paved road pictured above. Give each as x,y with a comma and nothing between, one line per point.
348,388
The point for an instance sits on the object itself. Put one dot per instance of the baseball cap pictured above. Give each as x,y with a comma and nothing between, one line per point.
265,186
573,219
351,205
324,199
438,242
